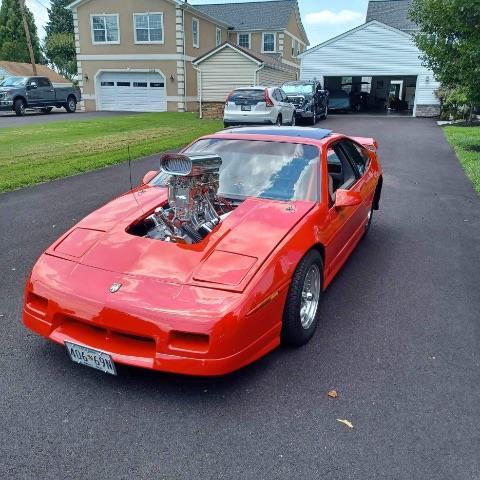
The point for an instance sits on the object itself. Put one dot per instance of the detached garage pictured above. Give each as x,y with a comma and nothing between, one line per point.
379,60
229,66
131,91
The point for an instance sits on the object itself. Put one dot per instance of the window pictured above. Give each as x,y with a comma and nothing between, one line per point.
196,32
156,84
107,84
299,49
123,84
340,171
293,47
105,29
268,42
140,84
218,36
243,40
356,155
43,82
148,27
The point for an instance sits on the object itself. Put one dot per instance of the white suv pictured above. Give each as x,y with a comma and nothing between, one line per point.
258,105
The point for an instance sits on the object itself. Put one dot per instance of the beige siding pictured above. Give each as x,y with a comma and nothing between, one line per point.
271,77
223,72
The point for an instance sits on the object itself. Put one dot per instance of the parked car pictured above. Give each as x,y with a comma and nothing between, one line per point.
213,260
258,105
339,100
309,99
21,93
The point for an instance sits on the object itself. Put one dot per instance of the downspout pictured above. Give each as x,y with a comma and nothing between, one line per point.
200,90
184,64
255,76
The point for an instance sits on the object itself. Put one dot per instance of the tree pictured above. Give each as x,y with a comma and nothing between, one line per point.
60,39
13,42
449,36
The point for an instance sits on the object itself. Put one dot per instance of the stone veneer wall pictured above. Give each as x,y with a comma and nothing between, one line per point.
213,109
427,111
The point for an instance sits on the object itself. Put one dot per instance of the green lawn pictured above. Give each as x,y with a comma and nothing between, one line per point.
466,142
37,153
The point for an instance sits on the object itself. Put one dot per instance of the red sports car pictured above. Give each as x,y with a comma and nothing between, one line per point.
214,259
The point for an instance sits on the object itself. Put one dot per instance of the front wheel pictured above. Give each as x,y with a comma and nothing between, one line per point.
325,113
71,105
278,121
19,106
314,117
301,313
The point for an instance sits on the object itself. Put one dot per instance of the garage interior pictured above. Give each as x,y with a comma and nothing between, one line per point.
388,95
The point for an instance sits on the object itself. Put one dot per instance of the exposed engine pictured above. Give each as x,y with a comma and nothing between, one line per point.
193,207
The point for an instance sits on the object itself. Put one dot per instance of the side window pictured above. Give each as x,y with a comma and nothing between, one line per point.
277,96
284,96
356,155
43,82
340,171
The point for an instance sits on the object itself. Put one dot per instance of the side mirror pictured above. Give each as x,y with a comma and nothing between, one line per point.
347,198
149,176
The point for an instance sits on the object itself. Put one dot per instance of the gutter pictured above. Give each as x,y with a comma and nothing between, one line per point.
199,88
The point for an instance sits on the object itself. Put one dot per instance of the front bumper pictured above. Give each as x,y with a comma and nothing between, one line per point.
171,328
6,105
302,113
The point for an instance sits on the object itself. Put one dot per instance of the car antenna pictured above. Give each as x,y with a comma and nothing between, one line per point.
130,177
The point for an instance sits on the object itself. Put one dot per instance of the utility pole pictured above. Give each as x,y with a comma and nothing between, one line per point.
27,34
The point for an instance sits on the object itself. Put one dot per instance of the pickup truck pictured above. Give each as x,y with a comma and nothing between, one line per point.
38,93
309,98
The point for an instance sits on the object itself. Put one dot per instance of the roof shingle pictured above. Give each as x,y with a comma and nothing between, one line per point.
25,70
265,15
393,13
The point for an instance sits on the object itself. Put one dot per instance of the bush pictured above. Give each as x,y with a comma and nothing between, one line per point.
454,103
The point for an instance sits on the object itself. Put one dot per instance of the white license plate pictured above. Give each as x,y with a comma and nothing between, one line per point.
246,108
91,358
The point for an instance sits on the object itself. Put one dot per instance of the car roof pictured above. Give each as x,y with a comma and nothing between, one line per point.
298,132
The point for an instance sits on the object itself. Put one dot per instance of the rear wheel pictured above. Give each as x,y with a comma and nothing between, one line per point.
46,109
314,117
369,221
71,105
19,106
278,122
301,313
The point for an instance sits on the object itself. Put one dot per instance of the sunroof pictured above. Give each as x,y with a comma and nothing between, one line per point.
302,132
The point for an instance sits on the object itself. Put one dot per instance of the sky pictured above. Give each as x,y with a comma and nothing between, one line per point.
322,19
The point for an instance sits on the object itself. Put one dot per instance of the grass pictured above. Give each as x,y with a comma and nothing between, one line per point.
36,153
466,142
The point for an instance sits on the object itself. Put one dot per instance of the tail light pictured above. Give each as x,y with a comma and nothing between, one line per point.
229,97
267,98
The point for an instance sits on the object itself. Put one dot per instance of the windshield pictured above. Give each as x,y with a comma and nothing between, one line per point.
253,168
301,89
13,82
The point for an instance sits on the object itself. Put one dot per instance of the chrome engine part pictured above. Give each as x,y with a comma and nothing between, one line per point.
193,208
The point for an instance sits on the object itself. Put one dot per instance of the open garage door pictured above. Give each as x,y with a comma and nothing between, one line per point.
131,91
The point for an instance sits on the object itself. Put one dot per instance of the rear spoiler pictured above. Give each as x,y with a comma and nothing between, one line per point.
369,143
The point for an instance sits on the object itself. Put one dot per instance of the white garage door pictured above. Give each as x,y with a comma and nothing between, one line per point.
131,91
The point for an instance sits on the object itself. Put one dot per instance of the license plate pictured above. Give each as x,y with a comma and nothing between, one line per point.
246,108
91,358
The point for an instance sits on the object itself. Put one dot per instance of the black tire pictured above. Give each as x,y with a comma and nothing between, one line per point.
46,109
226,125
293,122
278,121
369,221
293,332
314,117
20,106
325,113
71,105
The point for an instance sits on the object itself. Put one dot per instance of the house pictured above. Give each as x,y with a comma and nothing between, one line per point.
13,69
380,57
137,55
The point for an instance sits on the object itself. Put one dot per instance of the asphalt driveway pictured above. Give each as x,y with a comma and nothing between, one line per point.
399,341
32,117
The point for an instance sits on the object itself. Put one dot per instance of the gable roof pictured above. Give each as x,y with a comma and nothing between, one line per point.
25,70
258,58
265,15
393,13
350,32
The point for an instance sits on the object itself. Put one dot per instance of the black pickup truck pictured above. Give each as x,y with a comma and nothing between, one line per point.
38,93
309,98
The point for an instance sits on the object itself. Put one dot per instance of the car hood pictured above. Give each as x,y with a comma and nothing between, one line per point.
227,258
7,89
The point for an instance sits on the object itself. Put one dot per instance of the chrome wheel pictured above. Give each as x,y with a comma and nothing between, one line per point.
310,296
72,105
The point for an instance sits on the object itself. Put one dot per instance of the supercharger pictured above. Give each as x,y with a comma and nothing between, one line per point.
193,209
